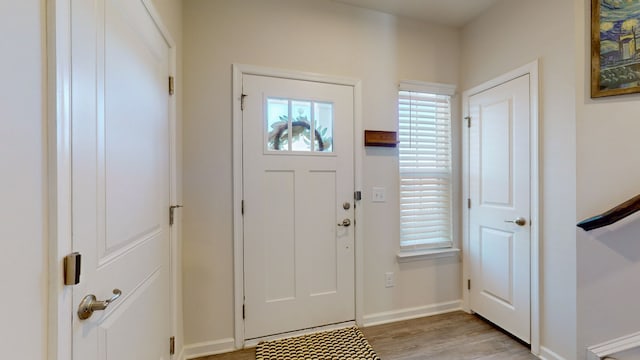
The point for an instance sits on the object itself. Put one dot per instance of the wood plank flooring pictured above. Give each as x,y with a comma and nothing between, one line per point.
452,336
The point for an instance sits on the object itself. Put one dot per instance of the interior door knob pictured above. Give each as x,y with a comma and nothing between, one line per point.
90,304
520,221
345,223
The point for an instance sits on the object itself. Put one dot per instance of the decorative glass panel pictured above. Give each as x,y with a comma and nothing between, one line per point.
290,123
300,126
278,124
323,116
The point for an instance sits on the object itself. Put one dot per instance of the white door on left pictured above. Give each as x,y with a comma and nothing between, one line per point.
120,179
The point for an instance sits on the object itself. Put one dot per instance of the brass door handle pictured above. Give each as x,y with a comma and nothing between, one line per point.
345,223
520,221
90,304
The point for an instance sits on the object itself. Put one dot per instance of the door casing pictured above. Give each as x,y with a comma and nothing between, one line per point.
532,70
60,306
238,241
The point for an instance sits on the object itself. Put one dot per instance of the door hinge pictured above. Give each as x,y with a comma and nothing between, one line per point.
242,207
72,267
243,311
468,284
468,118
172,209
172,345
469,203
242,101
172,85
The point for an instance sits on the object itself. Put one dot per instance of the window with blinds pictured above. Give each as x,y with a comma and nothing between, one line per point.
424,131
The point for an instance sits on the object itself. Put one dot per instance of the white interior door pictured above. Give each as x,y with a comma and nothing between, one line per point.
120,176
298,187
499,217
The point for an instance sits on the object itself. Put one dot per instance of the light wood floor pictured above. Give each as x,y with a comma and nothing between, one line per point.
454,336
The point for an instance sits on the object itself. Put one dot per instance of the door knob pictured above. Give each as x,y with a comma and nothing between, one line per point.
345,223
520,221
90,304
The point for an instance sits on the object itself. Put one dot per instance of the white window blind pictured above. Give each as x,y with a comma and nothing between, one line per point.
425,167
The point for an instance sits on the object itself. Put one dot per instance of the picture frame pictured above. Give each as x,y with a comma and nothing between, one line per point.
615,47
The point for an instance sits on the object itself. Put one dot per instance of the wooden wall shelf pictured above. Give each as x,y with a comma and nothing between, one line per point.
380,138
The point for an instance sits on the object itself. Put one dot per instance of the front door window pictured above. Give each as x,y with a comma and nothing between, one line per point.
289,125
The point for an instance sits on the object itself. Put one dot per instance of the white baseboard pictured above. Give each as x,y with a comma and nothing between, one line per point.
411,313
193,351
546,354
612,347
180,354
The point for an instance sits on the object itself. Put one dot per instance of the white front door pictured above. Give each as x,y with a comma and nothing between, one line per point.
298,204
120,179
499,217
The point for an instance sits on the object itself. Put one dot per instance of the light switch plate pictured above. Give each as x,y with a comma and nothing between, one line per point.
378,194
389,280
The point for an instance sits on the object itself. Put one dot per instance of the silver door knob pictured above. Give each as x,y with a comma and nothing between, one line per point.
345,223
520,221
90,304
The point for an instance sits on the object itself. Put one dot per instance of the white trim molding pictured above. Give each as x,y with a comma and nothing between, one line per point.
612,347
238,241
411,313
531,69
421,86
546,354
426,254
197,350
59,175
174,230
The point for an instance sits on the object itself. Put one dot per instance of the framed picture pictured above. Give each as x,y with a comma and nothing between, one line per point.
615,47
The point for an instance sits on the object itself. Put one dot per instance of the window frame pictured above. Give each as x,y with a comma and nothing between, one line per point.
429,249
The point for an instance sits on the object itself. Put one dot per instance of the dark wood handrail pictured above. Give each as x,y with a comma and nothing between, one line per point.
609,217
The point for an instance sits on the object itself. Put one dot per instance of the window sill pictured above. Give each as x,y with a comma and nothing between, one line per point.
427,254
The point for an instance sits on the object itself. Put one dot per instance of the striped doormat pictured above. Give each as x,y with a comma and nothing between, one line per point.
342,344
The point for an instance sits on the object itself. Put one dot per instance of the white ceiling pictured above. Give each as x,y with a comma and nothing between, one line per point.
446,12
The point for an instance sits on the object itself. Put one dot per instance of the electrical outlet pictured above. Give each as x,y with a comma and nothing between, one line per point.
378,194
389,280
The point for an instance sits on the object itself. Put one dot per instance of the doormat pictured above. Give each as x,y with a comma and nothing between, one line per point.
342,344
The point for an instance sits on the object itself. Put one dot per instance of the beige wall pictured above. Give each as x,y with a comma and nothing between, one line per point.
608,174
514,33
23,183
312,36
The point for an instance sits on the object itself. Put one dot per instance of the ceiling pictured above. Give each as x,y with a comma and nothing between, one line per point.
445,12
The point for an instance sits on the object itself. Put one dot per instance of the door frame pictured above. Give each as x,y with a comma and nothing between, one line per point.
238,222
60,300
531,69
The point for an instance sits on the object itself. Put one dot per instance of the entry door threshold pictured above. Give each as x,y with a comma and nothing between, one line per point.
249,343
